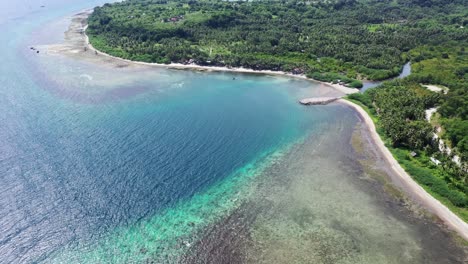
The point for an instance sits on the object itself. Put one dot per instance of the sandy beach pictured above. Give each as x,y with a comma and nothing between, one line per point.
433,205
77,44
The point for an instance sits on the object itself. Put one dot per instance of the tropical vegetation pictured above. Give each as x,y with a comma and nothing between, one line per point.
399,108
342,40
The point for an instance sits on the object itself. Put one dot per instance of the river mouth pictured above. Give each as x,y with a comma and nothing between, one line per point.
99,162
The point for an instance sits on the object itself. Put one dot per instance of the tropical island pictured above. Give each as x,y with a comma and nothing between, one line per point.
421,118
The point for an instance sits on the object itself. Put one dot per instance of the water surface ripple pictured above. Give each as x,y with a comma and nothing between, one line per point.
106,164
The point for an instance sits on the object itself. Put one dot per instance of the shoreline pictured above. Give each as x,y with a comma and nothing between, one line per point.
195,67
77,41
450,219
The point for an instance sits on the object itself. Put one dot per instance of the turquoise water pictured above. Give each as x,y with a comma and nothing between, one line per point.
131,164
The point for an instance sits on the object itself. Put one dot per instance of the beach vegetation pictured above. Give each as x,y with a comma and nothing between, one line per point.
338,41
397,107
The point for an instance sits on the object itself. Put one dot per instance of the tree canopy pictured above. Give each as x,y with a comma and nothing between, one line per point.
330,40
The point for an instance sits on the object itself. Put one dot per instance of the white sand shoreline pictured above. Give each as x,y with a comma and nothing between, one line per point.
179,66
454,222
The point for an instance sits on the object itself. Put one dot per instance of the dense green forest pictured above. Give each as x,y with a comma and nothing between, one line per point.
346,40
327,40
447,66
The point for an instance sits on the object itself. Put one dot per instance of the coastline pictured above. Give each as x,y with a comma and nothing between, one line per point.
180,66
452,221
77,42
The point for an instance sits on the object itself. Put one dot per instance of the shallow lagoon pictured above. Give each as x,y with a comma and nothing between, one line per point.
104,163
